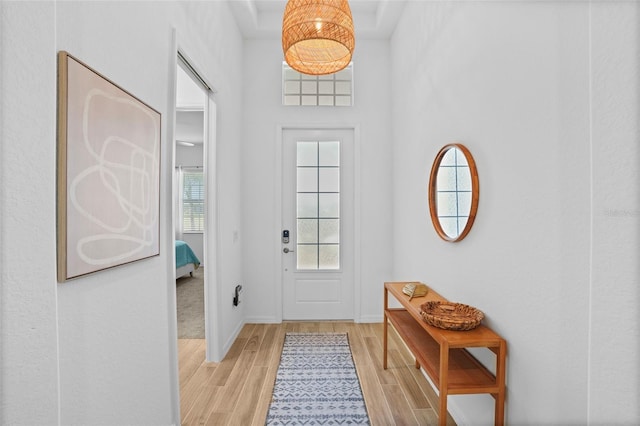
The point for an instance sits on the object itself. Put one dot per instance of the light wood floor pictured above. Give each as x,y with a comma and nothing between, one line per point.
237,391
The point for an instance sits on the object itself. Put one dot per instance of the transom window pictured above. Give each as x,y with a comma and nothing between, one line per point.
312,90
318,205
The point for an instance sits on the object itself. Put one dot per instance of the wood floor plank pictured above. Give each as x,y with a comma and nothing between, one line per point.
358,349
309,327
341,326
402,347
292,326
426,416
430,393
402,413
375,400
263,357
190,364
247,331
181,346
186,348
218,419
236,382
202,407
375,352
326,327
193,388
245,409
255,339
413,392
372,330
225,367
262,408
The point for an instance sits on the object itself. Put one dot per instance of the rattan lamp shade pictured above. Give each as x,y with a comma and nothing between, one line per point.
317,35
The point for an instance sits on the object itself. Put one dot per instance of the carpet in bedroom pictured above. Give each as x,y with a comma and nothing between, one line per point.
190,305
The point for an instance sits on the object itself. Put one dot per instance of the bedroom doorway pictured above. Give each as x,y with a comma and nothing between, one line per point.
194,209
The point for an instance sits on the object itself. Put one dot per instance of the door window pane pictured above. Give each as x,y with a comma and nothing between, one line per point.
307,154
307,231
308,179
307,256
329,257
318,205
307,205
329,154
329,205
329,179
329,231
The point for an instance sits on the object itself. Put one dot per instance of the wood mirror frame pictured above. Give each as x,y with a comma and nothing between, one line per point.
433,193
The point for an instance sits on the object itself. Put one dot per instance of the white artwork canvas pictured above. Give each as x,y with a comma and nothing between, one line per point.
108,173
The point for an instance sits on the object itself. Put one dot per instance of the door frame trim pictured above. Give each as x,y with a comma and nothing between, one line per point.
277,246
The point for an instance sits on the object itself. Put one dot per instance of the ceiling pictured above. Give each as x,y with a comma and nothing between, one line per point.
372,19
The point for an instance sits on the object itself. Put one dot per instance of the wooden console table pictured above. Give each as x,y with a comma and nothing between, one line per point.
442,353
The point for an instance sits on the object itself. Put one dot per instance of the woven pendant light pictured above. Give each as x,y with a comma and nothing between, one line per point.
317,35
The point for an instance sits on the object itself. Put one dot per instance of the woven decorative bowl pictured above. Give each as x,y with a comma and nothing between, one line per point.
451,316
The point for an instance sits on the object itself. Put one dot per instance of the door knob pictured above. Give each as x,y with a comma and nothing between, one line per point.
286,250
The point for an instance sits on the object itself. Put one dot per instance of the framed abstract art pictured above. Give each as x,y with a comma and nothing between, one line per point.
108,178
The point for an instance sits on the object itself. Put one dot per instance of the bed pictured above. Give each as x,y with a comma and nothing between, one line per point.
186,260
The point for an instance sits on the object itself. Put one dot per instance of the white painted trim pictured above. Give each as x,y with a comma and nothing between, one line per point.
263,320
213,323
357,220
357,284
232,338
277,258
174,374
592,220
376,319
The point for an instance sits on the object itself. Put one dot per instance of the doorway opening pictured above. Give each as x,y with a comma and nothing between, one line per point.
195,218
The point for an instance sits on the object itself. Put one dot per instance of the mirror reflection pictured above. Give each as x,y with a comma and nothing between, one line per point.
453,192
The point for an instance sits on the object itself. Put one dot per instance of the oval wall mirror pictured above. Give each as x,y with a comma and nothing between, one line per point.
453,192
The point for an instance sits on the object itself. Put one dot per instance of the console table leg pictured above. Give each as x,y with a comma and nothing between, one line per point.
501,361
385,329
499,415
444,383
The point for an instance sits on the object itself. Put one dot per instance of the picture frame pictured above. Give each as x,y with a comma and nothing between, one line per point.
108,173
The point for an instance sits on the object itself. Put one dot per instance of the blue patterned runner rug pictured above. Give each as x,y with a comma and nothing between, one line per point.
316,383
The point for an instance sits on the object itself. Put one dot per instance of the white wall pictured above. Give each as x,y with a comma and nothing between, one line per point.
263,113
28,312
101,349
552,123
189,156
614,347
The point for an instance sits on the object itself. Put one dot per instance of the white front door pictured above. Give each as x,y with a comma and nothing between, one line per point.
318,216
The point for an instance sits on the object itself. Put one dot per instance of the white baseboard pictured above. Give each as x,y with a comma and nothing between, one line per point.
227,345
370,319
263,320
274,320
